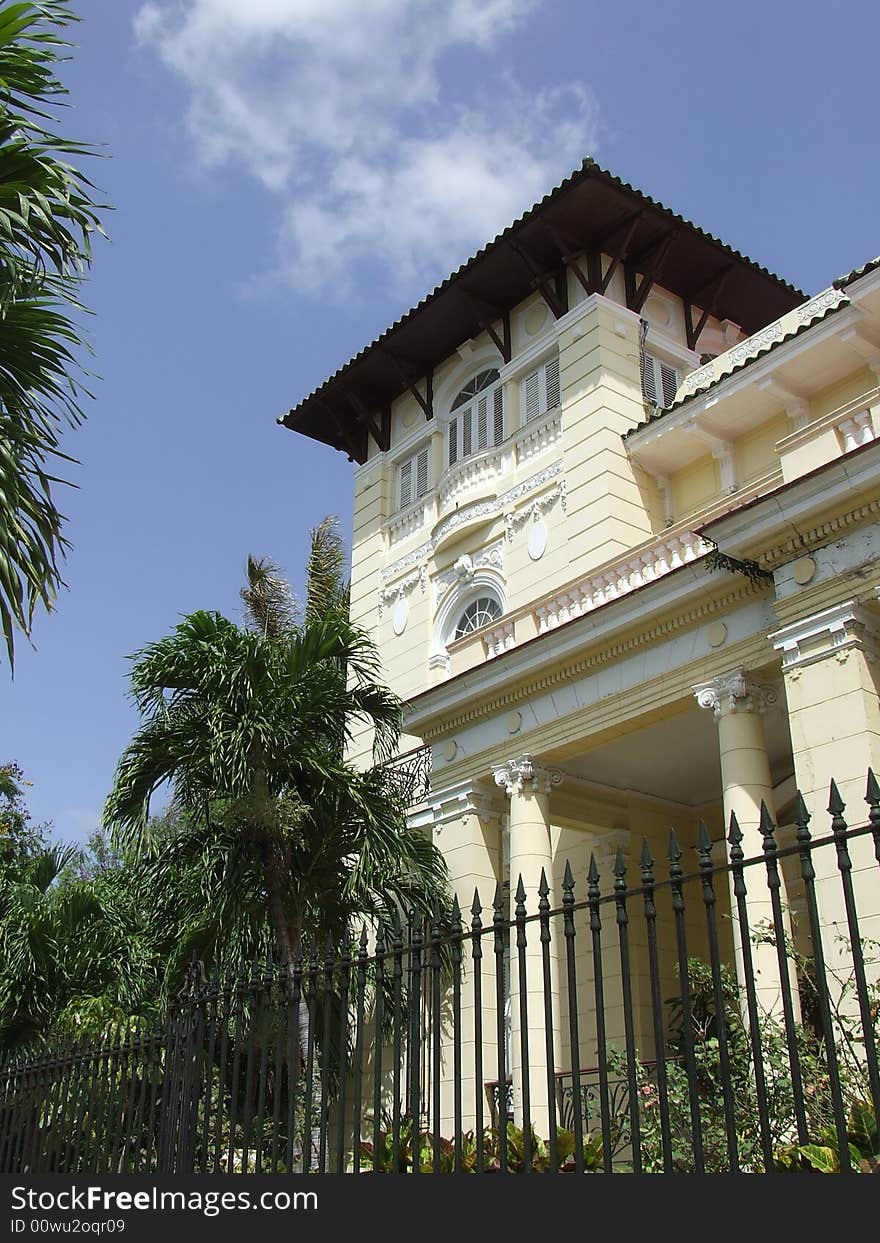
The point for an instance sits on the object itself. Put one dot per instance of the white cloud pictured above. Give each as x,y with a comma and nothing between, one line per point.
356,113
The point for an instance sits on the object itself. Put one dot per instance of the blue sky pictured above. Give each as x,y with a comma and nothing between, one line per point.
288,177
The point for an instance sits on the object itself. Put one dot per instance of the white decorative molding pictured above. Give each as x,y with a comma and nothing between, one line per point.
833,632
514,519
618,580
494,505
465,570
516,775
734,692
422,553
820,305
402,588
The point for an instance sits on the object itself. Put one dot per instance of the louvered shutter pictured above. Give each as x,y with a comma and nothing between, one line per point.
467,443
551,382
422,472
649,383
453,441
405,484
498,416
482,423
531,396
668,383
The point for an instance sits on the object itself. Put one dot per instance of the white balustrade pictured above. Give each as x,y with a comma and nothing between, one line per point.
500,639
855,430
620,579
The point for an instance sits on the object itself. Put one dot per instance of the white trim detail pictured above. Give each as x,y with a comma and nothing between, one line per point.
832,632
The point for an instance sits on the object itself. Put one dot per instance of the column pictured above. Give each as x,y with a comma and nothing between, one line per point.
467,828
829,663
737,703
528,786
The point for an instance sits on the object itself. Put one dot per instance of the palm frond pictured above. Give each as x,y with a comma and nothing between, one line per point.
269,602
327,589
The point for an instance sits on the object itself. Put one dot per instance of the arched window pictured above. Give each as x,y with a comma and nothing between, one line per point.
477,416
480,612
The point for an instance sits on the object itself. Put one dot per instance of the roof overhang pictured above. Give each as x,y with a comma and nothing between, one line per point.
589,214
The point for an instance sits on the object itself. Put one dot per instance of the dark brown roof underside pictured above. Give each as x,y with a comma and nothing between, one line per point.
590,211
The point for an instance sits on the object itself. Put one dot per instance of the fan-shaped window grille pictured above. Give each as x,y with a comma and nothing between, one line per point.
480,612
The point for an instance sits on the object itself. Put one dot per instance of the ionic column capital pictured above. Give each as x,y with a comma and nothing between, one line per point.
735,692
524,773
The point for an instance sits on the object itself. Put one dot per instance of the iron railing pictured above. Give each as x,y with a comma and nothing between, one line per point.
411,772
332,1061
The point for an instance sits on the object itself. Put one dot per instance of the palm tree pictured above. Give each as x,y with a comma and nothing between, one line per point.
46,219
249,725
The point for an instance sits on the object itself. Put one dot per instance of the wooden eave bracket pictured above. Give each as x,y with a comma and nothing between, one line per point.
409,381
625,230
487,316
381,430
649,263
707,296
355,448
551,285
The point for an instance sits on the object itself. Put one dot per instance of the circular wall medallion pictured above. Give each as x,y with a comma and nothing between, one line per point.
449,749
716,634
514,721
537,540
658,311
399,616
535,318
803,570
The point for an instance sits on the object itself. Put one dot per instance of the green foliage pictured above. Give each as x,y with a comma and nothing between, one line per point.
821,1152
382,1156
47,216
275,829
18,835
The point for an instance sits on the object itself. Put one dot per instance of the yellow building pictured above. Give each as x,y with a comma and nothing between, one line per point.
617,538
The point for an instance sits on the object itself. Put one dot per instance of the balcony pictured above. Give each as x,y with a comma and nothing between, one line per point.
411,773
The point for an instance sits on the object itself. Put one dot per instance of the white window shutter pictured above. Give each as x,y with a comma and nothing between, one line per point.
453,441
649,382
551,382
531,396
405,484
482,424
498,416
668,383
467,445
422,472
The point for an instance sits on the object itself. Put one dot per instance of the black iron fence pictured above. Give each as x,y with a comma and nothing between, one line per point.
727,1007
